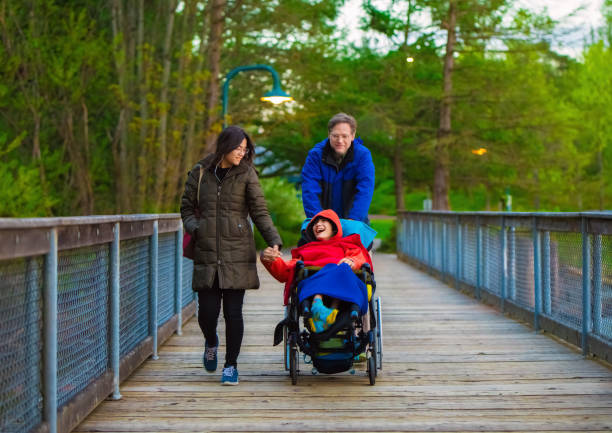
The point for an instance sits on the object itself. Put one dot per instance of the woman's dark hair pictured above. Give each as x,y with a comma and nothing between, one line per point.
229,139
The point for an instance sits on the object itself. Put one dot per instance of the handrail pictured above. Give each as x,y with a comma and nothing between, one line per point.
550,269
85,300
18,223
594,214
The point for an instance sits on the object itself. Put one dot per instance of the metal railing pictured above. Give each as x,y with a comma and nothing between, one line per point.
83,302
551,269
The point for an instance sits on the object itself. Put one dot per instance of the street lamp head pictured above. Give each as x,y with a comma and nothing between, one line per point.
276,96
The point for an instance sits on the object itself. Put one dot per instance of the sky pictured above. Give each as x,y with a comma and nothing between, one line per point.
575,28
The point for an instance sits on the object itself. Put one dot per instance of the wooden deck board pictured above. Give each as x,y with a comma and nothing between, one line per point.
450,364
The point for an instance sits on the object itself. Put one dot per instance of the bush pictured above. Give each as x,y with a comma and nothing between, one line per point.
285,209
387,233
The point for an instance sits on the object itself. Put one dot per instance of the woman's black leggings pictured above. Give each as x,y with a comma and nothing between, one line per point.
209,306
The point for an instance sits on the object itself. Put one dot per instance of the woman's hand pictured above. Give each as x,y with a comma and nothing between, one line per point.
270,254
349,262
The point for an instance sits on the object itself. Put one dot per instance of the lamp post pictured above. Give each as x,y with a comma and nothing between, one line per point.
275,96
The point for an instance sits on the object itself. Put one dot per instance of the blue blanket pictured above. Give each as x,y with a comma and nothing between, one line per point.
337,281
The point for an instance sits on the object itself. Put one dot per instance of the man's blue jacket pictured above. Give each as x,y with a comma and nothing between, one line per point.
346,187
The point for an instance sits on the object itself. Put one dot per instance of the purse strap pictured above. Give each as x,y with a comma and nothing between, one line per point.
199,183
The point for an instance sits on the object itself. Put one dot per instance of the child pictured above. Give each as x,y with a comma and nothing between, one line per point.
329,247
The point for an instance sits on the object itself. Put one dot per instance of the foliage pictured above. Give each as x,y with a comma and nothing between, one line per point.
104,107
387,233
285,209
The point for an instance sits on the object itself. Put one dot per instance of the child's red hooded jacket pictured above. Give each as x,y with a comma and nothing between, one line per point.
320,253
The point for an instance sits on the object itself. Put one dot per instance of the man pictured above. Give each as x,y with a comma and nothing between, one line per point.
339,173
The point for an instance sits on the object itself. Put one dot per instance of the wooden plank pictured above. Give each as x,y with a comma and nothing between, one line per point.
450,364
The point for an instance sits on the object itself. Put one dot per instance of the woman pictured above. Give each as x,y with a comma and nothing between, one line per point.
225,256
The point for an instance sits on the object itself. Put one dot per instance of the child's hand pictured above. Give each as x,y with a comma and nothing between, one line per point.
349,262
270,254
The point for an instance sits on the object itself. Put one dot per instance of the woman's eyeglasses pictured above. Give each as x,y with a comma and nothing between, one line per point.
243,150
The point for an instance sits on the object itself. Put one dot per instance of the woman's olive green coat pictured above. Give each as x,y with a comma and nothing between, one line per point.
224,239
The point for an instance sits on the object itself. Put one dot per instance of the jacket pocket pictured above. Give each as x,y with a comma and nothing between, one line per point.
235,228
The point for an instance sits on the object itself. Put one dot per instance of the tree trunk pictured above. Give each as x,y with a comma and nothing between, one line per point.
442,169
161,167
79,164
398,173
182,107
141,78
215,42
120,139
190,152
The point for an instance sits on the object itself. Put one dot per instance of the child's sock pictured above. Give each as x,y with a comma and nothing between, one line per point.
322,313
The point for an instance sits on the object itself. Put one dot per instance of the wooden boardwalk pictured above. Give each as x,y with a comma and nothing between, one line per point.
450,364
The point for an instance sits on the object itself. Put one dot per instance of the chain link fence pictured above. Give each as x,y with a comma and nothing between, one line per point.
76,307
555,269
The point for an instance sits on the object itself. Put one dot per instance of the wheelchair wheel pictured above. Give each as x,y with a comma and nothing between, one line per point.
293,367
286,342
373,352
287,347
372,370
379,333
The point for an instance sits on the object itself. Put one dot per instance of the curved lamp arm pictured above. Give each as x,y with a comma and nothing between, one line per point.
276,95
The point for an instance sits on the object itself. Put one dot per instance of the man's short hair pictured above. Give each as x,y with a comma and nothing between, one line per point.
342,118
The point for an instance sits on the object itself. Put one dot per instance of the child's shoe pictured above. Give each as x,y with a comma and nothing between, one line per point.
322,313
229,376
316,325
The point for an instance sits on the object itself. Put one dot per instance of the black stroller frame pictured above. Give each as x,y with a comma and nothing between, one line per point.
347,328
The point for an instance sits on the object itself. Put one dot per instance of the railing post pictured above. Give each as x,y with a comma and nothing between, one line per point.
459,249
421,241
444,247
512,262
413,245
408,236
409,252
115,267
178,283
503,261
485,255
586,286
404,238
153,286
547,299
478,257
465,239
417,237
50,333
537,272
430,253
597,284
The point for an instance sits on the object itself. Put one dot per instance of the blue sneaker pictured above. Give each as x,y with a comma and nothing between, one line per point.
210,357
229,376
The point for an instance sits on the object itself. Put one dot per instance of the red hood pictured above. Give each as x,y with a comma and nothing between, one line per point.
330,215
